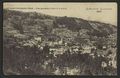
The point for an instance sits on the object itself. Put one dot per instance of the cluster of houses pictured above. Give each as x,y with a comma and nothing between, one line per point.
59,46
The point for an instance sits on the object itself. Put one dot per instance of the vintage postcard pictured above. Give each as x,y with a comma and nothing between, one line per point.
60,38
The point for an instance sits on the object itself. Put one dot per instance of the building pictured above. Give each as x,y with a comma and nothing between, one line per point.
38,39
86,49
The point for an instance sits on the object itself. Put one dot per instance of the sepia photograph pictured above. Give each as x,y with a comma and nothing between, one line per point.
60,38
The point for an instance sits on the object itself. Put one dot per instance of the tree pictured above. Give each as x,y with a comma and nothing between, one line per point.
46,50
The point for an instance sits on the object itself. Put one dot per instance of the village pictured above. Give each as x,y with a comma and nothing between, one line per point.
59,47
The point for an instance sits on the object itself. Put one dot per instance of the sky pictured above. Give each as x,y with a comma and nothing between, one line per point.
103,12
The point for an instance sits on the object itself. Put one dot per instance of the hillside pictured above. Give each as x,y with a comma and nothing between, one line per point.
24,21
24,34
